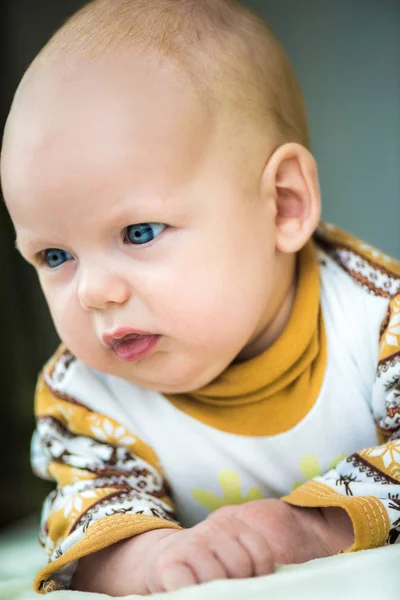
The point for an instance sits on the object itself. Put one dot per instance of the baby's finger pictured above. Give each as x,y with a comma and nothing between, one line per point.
175,577
259,550
234,556
206,565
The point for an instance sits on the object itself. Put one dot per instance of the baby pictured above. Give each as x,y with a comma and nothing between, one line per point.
220,347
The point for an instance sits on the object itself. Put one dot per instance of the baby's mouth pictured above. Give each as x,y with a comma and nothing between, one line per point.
131,346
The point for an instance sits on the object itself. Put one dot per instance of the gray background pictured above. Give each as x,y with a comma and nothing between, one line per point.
347,56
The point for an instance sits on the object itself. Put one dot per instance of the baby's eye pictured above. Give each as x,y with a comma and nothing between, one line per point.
54,257
143,233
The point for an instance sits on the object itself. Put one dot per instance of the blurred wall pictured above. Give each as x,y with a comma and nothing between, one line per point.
347,56
27,335
346,53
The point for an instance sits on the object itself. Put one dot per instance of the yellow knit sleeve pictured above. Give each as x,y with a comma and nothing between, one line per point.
110,484
367,483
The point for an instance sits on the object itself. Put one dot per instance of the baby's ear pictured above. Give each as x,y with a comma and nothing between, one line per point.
291,179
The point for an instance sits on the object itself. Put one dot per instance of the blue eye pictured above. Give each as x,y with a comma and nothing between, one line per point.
143,233
54,257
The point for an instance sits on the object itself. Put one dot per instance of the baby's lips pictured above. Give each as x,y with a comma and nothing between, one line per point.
133,345
113,338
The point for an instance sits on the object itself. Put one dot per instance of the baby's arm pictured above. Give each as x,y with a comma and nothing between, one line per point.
120,569
109,483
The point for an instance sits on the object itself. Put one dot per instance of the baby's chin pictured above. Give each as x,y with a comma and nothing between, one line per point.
162,372
173,382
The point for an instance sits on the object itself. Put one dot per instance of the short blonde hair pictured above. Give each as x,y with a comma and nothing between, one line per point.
230,54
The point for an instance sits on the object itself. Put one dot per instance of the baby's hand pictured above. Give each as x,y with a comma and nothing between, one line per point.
221,547
246,541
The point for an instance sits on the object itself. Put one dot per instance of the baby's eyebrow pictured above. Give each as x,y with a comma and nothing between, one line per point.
27,248
25,244
23,249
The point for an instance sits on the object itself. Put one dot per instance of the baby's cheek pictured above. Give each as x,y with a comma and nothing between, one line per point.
208,324
190,314
72,325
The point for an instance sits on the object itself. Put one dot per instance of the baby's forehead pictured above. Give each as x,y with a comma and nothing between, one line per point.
71,132
126,88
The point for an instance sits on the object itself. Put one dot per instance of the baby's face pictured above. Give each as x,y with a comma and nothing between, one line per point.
156,264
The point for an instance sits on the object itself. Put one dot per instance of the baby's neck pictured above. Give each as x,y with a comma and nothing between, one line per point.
279,315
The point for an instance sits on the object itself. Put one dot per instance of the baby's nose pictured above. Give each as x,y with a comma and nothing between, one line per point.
98,288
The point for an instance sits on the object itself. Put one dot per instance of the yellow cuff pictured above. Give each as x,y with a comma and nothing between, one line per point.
99,535
367,513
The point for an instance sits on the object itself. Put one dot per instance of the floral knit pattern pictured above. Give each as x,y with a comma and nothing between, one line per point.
102,470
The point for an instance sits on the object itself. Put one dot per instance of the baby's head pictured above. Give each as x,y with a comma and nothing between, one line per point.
155,166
